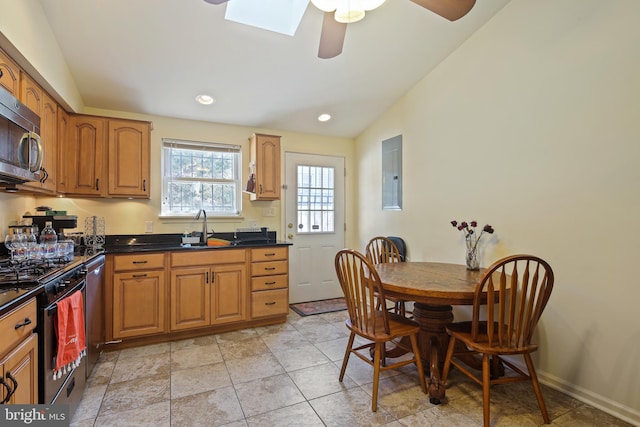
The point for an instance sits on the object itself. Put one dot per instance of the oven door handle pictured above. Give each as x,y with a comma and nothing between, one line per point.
80,286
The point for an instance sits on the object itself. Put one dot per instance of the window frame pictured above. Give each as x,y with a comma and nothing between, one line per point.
168,143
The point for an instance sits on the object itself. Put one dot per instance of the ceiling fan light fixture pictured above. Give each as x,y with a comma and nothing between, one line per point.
325,5
346,15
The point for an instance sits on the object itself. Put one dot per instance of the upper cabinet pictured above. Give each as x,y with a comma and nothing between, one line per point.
9,75
129,158
85,156
106,157
62,157
39,101
265,156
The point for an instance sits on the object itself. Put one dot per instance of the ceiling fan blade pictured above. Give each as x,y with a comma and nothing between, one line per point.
449,9
332,37
216,1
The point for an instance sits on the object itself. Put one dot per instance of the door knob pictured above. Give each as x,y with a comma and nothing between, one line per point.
290,225
290,236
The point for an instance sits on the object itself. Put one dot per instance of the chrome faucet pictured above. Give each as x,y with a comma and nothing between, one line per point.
203,239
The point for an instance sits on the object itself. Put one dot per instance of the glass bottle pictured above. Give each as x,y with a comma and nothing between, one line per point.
48,240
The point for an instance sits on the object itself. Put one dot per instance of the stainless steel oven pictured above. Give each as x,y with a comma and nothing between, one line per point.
68,388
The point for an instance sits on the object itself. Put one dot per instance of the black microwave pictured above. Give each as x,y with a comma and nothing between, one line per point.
21,152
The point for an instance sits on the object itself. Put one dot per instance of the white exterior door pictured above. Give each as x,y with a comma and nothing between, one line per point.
314,223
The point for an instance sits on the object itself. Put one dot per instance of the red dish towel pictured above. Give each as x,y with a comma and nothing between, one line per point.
69,325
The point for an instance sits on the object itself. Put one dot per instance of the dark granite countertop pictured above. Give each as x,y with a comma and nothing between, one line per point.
130,243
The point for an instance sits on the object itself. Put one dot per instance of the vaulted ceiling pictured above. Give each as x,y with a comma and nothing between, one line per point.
155,56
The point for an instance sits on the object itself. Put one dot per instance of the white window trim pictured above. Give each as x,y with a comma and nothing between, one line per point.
205,146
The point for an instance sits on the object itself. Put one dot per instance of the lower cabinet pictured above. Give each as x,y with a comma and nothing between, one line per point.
19,355
139,301
20,368
153,296
269,282
139,295
208,288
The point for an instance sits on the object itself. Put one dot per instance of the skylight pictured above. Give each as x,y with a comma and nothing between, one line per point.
281,16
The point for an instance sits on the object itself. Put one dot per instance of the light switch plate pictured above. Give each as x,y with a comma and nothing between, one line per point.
270,211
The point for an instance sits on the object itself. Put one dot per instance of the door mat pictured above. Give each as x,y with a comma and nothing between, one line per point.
319,307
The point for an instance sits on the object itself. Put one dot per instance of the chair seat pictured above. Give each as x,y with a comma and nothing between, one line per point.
462,331
399,326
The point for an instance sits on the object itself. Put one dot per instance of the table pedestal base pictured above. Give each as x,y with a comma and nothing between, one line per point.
433,341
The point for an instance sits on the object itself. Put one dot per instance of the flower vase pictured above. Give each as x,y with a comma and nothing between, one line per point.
472,255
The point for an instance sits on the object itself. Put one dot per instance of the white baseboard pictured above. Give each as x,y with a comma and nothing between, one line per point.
605,404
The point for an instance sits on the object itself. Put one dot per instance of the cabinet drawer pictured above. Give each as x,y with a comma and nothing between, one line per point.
264,283
10,335
269,254
269,303
207,257
269,268
138,262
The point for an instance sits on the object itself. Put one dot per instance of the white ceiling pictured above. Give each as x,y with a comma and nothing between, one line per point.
155,56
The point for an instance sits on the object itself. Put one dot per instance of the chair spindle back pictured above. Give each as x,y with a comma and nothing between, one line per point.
361,285
517,289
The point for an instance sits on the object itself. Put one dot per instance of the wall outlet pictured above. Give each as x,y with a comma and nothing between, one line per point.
253,224
271,211
148,227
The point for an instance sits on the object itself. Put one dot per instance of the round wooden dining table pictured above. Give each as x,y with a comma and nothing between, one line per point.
434,287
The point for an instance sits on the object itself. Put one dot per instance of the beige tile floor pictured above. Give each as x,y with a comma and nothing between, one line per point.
287,375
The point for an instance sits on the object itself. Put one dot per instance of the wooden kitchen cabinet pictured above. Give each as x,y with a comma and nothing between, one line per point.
85,150
208,288
265,157
106,157
139,295
129,158
269,281
9,75
19,354
31,94
39,101
62,156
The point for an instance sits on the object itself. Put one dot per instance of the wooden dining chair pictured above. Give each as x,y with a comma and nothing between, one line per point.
360,283
514,290
381,250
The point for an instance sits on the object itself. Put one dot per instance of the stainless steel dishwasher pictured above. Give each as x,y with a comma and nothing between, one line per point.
94,311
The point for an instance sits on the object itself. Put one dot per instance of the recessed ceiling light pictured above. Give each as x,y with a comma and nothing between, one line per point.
205,99
324,117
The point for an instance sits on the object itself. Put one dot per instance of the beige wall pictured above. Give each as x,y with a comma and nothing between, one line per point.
533,126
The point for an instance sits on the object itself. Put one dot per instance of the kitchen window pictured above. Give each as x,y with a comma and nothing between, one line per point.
200,175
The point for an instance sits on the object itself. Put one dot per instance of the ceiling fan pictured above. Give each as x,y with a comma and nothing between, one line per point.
338,13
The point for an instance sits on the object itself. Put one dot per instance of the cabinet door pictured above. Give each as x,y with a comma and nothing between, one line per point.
31,94
129,153
265,151
86,161
9,75
139,301
229,294
49,137
21,367
63,149
190,298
